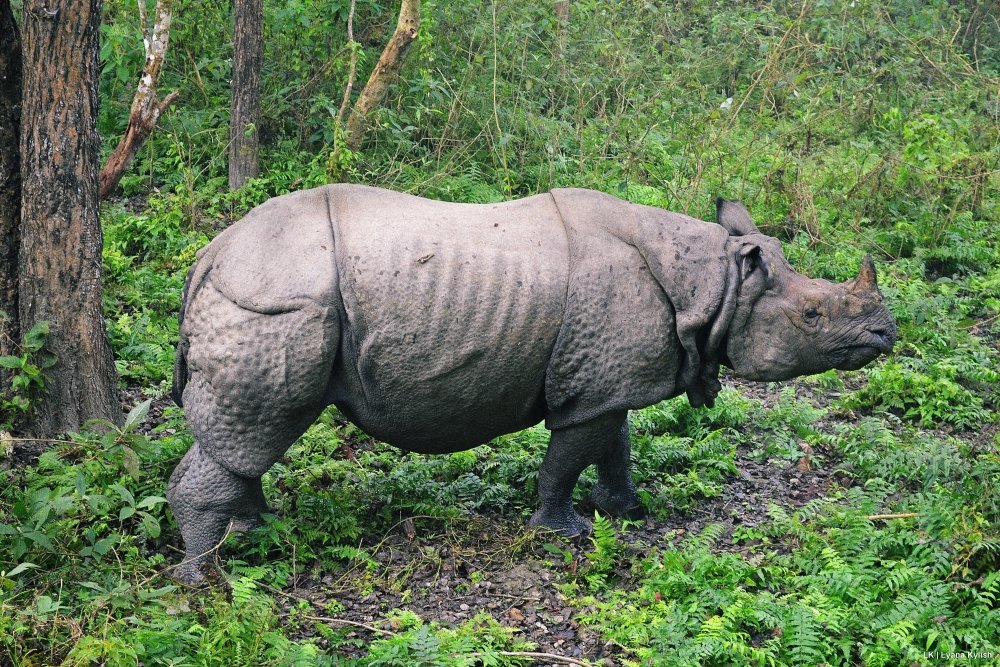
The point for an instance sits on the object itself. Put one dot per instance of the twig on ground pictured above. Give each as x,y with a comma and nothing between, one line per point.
344,621
904,515
531,654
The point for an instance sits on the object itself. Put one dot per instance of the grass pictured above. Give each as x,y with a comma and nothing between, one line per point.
847,128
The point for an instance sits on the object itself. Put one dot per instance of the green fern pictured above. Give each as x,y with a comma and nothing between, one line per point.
802,634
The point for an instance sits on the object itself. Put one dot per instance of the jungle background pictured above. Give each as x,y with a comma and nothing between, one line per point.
849,518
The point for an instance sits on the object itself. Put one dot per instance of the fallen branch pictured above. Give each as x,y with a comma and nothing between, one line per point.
531,654
904,515
146,108
344,621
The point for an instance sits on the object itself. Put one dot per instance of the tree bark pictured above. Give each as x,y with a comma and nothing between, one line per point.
10,181
146,108
60,256
248,58
388,66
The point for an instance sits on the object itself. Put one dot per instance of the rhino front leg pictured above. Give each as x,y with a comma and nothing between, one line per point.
615,491
571,450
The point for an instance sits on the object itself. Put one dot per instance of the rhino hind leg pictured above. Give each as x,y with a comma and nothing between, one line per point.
248,517
204,518
615,491
571,450
256,383
214,491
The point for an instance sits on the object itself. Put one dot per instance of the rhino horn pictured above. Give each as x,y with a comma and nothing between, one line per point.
866,280
734,217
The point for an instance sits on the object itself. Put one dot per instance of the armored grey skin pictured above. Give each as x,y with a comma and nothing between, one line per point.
436,326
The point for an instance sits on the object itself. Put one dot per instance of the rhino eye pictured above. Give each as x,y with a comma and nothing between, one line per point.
811,314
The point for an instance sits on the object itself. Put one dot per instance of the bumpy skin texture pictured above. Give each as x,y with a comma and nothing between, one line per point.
438,326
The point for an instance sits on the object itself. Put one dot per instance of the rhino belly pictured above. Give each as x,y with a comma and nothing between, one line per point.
451,312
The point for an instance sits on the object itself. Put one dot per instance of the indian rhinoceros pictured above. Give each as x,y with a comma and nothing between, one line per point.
437,326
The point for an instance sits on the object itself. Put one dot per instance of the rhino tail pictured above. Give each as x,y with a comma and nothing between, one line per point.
180,359
192,283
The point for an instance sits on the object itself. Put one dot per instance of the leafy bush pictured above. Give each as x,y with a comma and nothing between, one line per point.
27,375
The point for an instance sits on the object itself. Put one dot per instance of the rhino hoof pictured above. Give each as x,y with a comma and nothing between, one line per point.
625,505
244,524
568,524
188,574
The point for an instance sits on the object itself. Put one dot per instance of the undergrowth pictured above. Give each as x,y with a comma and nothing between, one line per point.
846,128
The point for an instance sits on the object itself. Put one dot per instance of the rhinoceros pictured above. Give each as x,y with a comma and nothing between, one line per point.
437,326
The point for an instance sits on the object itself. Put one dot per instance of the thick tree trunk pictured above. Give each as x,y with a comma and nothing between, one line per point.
60,257
386,69
248,58
146,108
10,180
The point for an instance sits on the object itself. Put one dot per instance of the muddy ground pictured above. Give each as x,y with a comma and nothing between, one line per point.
488,564
484,564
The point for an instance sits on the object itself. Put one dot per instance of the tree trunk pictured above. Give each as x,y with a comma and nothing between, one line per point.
248,58
146,109
60,257
386,69
10,181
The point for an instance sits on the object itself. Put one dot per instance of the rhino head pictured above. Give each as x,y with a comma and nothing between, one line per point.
783,324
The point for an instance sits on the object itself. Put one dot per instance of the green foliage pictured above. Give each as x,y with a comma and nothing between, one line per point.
27,376
942,372
602,559
92,512
828,583
845,594
926,393
479,641
681,454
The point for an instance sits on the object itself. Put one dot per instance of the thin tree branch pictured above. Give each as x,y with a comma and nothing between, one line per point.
389,64
354,65
146,108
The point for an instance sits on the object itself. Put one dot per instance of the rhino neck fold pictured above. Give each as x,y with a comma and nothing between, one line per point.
644,288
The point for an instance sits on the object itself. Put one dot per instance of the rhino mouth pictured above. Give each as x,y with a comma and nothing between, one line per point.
882,340
853,357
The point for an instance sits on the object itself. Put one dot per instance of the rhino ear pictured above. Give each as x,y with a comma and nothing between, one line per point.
734,217
751,260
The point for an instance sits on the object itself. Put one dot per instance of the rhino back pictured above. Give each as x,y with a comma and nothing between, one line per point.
451,313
